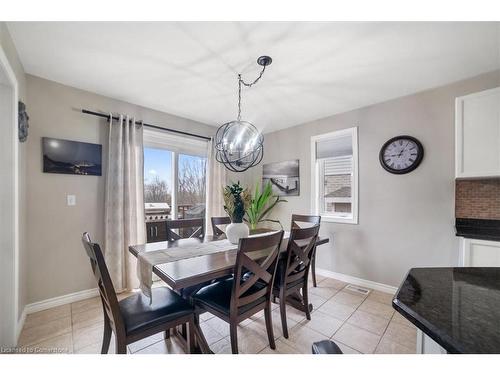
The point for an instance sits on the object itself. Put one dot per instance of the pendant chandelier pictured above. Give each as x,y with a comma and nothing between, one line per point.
238,143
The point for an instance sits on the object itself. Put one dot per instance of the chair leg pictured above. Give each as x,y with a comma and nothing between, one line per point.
167,334
121,347
190,337
184,330
106,336
233,333
313,268
269,326
283,312
305,299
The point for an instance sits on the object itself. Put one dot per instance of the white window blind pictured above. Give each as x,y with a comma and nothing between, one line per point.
334,147
338,166
334,179
175,143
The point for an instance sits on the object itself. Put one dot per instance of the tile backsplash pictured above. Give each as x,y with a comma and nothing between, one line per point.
477,199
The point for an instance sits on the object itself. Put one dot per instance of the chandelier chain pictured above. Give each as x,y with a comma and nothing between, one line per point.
240,82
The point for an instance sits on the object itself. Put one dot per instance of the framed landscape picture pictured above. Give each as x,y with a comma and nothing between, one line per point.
71,157
284,177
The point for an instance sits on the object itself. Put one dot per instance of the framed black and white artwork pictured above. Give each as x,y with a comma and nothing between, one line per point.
284,177
71,157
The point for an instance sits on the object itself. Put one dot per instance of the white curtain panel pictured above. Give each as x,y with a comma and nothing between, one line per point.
216,180
124,200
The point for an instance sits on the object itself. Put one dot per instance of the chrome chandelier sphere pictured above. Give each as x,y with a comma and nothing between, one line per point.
238,144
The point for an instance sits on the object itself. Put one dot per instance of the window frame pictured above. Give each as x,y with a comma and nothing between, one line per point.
176,145
316,178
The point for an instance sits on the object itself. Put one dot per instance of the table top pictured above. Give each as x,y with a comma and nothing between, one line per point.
193,271
459,308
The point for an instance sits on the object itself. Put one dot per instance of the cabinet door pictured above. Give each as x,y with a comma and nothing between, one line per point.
150,232
426,345
480,253
161,234
477,123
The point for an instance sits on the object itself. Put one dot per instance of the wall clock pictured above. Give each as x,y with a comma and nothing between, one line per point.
401,154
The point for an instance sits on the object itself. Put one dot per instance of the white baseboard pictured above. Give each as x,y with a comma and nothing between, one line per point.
61,300
20,324
357,281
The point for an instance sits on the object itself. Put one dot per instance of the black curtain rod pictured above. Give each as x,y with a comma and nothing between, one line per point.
104,115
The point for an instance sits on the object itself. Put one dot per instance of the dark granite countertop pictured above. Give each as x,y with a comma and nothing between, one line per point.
481,229
459,308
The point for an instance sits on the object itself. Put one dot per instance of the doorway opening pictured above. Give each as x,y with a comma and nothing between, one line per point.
9,206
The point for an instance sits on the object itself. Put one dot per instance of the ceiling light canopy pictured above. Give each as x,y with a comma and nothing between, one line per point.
238,143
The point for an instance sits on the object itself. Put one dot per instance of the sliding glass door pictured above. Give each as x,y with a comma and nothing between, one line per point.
158,181
191,186
175,171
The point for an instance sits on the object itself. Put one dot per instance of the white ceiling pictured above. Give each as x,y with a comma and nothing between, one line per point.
319,69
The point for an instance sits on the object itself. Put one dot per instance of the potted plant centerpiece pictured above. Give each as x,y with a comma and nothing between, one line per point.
236,202
261,205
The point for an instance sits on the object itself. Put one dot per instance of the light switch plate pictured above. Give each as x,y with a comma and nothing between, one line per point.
71,199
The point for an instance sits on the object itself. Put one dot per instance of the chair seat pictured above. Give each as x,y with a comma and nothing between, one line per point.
139,315
325,347
281,270
218,296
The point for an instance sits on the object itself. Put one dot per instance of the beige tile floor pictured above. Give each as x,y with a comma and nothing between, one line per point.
357,323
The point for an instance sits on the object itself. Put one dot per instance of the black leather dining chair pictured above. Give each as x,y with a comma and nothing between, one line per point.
325,347
248,291
293,270
134,318
186,228
313,220
219,220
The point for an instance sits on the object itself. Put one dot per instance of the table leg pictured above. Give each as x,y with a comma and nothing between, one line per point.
200,338
201,345
296,300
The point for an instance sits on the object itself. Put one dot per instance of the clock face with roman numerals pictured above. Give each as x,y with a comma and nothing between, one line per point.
401,154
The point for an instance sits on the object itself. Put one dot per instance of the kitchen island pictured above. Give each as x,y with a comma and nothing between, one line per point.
457,308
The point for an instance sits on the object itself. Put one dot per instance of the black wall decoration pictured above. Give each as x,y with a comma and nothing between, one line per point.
22,122
70,157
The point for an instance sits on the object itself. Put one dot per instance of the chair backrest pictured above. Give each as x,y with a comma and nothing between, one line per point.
104,283
187,228
298,254
256,259
219,220
297,219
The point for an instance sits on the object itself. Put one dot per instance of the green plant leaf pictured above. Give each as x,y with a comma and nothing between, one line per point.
261,204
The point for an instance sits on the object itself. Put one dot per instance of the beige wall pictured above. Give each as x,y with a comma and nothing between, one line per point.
10,51
57,264
404,221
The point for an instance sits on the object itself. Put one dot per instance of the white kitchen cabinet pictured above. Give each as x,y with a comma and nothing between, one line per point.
477,135
426,345
479,253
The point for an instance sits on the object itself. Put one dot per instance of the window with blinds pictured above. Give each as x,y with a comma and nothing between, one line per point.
335,175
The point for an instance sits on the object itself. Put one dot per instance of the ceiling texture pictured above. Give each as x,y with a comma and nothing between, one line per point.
319,69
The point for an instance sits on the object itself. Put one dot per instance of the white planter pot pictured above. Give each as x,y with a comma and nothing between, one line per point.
235,231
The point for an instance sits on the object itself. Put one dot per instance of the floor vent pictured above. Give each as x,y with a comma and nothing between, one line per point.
357,289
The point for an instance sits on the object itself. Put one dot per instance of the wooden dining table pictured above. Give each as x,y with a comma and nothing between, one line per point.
190,272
